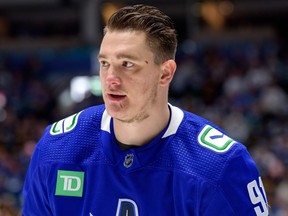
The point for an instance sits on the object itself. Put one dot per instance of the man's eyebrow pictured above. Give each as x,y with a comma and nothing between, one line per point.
127,56
101,56
119,56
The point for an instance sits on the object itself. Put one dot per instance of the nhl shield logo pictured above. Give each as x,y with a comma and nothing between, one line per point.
128,160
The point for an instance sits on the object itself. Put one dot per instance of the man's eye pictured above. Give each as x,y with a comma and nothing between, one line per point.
127,64
104,63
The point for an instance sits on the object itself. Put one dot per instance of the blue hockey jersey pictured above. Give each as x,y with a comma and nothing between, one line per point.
191,169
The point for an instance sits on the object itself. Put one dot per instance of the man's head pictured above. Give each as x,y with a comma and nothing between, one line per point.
137,63
158,28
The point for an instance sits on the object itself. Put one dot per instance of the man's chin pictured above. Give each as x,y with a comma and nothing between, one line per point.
115,111
119,115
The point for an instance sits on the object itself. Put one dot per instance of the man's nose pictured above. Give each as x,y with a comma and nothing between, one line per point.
112,76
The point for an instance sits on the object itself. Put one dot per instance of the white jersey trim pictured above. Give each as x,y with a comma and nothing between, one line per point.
105,122
177,116
176,119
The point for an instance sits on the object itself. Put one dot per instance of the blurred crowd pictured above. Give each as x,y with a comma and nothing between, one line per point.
241,86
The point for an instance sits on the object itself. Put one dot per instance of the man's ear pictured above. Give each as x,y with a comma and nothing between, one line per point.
168,69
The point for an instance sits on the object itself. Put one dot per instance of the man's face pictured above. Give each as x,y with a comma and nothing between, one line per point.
129,76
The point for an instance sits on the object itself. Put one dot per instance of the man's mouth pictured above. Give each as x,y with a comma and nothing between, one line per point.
116,97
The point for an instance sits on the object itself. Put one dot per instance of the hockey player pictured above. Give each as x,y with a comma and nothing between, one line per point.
138,155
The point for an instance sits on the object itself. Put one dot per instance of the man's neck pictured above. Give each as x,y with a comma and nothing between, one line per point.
141,133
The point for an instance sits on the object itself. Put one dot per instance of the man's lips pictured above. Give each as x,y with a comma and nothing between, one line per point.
115,96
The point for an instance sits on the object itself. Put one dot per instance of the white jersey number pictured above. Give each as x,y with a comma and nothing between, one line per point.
258,198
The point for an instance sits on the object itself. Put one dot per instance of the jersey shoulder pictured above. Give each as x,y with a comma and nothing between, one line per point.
201,132
201,148
73,139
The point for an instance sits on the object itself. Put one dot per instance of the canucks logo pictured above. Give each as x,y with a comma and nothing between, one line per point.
214,139
65,125
128,160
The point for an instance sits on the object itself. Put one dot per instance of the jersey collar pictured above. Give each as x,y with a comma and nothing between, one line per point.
176,118
141,155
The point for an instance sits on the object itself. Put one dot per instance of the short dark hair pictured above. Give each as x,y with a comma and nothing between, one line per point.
158,27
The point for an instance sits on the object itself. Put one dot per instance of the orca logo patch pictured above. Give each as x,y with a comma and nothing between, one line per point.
213,139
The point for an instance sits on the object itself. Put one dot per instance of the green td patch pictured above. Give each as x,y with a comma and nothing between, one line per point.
69,183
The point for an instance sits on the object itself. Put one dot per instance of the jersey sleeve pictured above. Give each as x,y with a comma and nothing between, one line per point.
240,190
35,196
